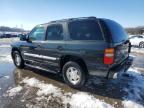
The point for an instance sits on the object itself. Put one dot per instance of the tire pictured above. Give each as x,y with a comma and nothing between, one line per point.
73,74
18,60
141,44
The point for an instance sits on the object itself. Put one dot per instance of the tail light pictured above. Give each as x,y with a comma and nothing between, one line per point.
109,56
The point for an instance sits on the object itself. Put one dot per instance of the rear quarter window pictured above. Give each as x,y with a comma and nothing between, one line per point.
118,33
85,30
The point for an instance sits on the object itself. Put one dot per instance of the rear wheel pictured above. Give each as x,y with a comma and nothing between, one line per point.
18,60
73,74
141,45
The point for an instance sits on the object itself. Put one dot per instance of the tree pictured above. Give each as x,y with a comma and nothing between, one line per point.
8,29
135,30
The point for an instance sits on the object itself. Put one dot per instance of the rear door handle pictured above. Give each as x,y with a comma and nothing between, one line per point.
59,47
39,46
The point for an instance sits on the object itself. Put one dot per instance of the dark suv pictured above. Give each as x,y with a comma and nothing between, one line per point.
75,47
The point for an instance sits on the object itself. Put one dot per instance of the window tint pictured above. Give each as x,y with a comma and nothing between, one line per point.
55,32
85,30
117,31
37,34
106,32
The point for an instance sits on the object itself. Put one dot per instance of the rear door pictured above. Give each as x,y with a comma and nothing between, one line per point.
119,40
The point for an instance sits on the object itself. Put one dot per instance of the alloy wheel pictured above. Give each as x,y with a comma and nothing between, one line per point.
73,75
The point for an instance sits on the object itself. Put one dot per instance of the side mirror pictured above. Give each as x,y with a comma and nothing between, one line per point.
23,37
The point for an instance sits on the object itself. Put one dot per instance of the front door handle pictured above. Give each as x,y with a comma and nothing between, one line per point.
33,47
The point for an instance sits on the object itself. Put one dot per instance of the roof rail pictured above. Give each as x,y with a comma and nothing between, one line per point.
91,17
58,20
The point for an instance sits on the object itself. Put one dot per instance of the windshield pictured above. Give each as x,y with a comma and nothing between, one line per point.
117,31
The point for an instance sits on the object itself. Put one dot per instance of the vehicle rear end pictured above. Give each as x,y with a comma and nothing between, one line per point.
116,56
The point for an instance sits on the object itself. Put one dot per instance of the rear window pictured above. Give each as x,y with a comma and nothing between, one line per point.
85,30
117,31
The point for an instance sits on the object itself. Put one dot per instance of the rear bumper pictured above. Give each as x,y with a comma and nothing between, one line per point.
122,67
111,72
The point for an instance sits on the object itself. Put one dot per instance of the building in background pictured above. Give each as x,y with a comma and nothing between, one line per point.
142,31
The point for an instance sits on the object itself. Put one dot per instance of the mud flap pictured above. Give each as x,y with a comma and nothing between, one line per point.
112,73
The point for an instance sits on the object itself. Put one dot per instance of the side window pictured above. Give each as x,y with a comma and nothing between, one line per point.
37,34
54,32
85,30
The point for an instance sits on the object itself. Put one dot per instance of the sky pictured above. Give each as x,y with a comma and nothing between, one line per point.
28,13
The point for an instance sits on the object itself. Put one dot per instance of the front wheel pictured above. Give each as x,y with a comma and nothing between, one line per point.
73,74
141,45
17,58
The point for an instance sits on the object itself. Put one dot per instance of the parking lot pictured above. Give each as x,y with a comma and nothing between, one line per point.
20,88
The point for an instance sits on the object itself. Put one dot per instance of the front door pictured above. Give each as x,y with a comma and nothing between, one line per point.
30,50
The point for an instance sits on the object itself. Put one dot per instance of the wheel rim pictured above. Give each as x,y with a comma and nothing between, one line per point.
73,75
17,59
141,45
